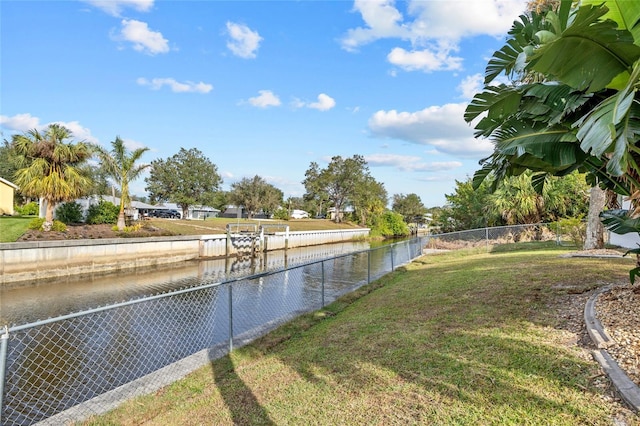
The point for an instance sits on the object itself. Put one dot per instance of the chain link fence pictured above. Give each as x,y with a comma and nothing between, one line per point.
502,235
71,367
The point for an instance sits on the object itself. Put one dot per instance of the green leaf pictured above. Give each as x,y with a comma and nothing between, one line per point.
589,54
619,222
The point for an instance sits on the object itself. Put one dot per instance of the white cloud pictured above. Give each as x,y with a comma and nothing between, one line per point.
244,42
20,122
266,98
175,86
325,102
432,29
471,85
382,20
409,163
115,7
441,127
79,132
143,39
424,60
133,144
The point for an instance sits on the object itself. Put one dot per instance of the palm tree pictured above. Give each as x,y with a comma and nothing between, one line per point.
51,167
120,165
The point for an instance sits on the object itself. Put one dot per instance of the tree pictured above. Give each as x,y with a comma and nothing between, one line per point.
120,165
410,207
315,189
187,178
255,195
516,201
467,208
9,161
369,200
338,181
50,167
594,238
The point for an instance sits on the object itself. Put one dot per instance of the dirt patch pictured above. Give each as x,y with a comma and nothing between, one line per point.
82,231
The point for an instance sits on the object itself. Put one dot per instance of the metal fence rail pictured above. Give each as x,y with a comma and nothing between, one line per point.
74,366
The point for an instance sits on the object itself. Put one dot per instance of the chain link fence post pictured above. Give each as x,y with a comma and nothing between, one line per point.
230,318
368,266
486,237
322,284
392,267
4,341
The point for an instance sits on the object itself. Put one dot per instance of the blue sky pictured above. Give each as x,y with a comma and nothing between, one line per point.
262,87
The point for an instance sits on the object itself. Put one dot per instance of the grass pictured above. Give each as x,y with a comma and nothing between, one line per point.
12,227
464,338
218,225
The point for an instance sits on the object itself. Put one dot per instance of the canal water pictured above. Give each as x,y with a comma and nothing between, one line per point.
30,302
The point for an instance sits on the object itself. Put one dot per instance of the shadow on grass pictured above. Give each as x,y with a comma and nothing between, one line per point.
244,407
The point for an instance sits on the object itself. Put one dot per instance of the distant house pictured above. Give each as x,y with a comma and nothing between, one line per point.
7,190
202,212
299,214
139,210
240,212
331,211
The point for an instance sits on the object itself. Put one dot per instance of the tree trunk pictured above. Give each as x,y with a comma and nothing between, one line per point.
595,231
48,217
121,223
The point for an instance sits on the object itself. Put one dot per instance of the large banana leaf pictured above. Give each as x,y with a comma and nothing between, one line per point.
625,12
620,222
589,53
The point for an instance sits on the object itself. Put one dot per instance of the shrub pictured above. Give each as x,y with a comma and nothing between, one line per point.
574,228
29,209
391,224
69,213
37,223
281,214
103,212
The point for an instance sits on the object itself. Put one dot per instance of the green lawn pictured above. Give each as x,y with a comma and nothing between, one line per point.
12,227
462,338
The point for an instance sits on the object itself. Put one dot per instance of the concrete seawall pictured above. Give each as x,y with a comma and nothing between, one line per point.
28,261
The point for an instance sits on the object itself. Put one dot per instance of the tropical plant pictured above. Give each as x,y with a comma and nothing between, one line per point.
120,165
50,167
582,109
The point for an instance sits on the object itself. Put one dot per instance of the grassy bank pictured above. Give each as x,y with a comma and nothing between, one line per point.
12,227
461,338
218,225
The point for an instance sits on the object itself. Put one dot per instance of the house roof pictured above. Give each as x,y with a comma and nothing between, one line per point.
11,184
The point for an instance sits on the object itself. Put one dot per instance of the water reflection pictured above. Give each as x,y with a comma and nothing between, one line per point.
47,299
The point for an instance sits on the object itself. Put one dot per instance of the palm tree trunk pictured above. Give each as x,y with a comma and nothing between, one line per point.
121,223
48,217
595,231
